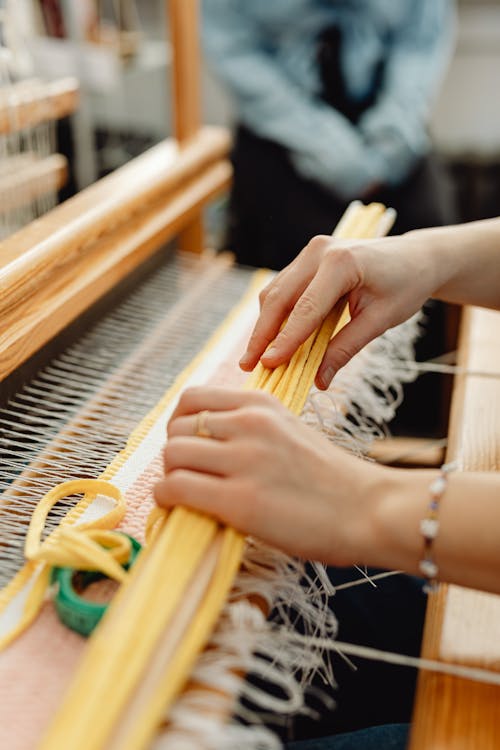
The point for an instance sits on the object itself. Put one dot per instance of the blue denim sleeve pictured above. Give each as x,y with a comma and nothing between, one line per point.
323,144
417,57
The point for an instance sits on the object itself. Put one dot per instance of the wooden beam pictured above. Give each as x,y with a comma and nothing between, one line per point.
30,257
463,625
183,21
32,102
408,451
184,28
32,317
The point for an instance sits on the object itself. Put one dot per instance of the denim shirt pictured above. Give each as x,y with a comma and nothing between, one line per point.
266,53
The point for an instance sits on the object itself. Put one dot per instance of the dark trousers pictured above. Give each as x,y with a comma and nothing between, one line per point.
274,211
389,617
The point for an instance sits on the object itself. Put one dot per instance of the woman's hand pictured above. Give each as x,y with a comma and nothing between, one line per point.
265,473
384,281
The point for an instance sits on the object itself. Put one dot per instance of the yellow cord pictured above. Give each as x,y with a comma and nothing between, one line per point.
89,546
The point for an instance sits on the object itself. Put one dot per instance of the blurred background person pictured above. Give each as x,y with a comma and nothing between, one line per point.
332,103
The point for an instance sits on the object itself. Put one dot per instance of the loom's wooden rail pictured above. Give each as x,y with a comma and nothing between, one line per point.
59,265
29,103
463,626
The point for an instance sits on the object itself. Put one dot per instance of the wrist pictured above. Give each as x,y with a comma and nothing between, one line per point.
379,497
426,246
352,520
432,247
401,502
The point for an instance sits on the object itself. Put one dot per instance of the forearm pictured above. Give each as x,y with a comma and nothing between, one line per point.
467,547
465,260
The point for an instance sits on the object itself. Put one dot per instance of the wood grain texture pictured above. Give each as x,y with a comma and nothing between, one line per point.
35,312
184,28
29,103
29,258
463,625
183,20
408,451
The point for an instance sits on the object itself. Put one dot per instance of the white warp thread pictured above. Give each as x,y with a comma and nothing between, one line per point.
478,674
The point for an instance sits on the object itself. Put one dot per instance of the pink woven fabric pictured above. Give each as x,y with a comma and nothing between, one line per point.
36,669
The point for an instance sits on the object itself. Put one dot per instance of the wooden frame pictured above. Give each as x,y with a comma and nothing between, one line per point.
463,625
183,17
30,103
55,268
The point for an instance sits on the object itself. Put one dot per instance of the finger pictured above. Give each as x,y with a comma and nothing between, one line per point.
202,492
348,342
200,454
213,398
276,302
265,291
220,425
332,281
280,278
273,312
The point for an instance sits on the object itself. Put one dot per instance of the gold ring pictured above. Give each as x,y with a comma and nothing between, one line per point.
201,424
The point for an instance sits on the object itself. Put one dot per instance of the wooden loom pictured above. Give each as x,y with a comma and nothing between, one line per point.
54,270
28,177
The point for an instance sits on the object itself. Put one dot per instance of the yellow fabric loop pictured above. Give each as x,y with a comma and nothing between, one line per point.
73,547
80,547
82,550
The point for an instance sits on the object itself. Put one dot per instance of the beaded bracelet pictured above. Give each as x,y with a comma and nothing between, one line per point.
429,527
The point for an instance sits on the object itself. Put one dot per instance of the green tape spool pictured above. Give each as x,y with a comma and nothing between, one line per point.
74,611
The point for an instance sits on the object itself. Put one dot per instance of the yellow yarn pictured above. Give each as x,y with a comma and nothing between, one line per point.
141,655
90,545
80,546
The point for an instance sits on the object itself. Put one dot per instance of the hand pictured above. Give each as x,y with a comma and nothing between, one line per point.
265,473
384,281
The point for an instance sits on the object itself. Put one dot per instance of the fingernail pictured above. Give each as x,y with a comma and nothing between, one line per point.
326,376
272,352
245,359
